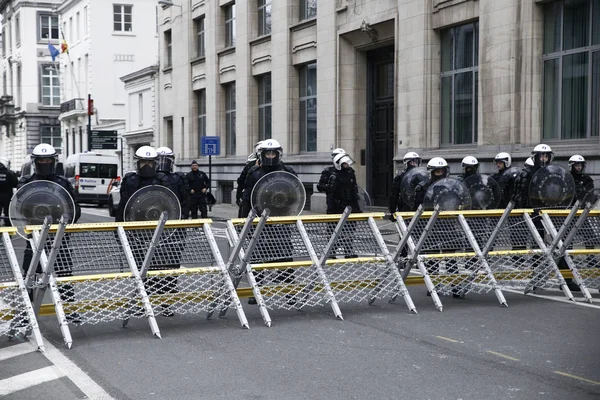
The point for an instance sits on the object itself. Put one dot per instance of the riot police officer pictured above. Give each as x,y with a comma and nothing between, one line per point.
326,173
505,180
174,181
199,184
270,154
45,159
438,169
410,160
145,160
470,167
542,156
342,187
241,180
8,181
584,184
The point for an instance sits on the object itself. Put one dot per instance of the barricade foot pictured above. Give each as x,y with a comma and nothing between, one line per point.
157,335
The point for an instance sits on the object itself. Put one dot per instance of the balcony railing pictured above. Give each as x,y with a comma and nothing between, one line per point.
71,105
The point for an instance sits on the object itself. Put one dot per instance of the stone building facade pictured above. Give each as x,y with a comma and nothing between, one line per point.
379,78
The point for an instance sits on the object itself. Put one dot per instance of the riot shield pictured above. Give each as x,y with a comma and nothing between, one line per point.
148,203
364,200
449,193
484,190
38,199
513,172
408,184
551,186
281,192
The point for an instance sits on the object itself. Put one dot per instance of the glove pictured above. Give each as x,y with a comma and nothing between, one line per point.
238,202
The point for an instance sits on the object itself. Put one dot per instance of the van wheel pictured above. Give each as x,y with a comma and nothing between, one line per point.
111,209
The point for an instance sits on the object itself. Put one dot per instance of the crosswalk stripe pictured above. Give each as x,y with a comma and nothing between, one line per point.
16,350
29,379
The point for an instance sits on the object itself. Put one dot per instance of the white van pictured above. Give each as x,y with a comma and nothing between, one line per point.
92,175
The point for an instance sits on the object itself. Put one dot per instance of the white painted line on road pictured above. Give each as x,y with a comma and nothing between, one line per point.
577,377
29,379
86,384
555,298
97,212
502,355
16,350
448,339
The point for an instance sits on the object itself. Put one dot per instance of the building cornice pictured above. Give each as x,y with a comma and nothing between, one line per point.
147,71
66,5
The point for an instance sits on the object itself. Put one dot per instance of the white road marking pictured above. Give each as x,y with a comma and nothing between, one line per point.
86,384
99,212
29,379
561,299
16,350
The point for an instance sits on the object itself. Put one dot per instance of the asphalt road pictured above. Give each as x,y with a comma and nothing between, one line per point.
475,349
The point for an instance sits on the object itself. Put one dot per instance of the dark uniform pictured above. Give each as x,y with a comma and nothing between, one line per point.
132,182
396,201
584,184
241,184
324,179
506,182
67,292
176,182
197,181
8,181
521,189
343,192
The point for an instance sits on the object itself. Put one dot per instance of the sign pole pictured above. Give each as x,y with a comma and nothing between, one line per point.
210,177
122,155
90,112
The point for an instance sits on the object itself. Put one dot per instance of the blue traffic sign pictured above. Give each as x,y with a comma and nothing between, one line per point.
210,146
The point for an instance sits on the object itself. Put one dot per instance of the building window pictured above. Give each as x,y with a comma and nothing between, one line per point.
230,118
460,75
85,21
230,26
571,99
17,31
200,50
19,98
308,9
308,108
48,27
168,49
50,134
264,17
71,36
264,107
140,109
169,132
122,18
201,110
78,26
50,86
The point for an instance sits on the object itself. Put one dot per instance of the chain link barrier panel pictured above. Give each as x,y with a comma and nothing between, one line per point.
308,261
16,311
117,271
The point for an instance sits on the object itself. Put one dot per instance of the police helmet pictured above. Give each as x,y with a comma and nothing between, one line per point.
45,158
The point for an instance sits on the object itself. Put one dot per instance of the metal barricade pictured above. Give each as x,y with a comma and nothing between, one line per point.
16,311
115,271
296,262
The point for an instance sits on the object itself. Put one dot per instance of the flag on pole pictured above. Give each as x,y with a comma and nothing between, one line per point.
64,47
53,51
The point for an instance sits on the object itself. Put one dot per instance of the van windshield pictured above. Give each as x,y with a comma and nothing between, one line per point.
88,170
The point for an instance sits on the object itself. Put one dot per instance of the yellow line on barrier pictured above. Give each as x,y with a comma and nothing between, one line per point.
448,339
8,229
308,263
502,355
467,213
577,377
576,252
111,226
564,213
311,218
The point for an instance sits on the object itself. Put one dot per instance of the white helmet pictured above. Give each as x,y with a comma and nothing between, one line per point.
270,152
505,158
337,151
529,162
4,161
340,159
145,161
166,159
411,156
470,162
438,163
542,149
577,159
45,158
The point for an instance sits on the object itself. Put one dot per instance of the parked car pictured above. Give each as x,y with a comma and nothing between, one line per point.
114,196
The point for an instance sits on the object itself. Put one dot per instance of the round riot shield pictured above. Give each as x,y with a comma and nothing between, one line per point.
484,190
38,199
449,193
281,192
409,182
551,186
364,200
513,172
148,203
